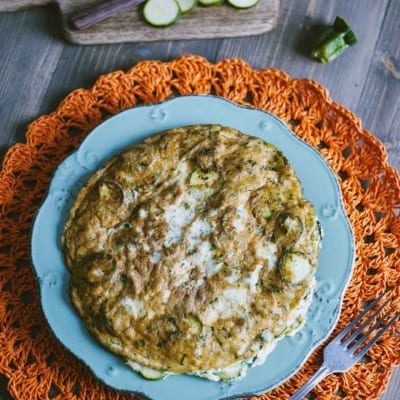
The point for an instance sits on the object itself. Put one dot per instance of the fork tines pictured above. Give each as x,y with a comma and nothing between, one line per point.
356,343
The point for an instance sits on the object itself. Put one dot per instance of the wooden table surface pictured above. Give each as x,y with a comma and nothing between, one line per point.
38,68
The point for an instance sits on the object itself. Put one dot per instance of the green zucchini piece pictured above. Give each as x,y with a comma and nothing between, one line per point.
195,325
266,212
333,41
288,226
187,5
161,13
209,3
146,372
243,3
294,267
151,374
231,373
198,178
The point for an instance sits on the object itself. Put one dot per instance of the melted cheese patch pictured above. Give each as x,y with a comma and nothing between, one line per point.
179,215
134,306
155,258
239,223
226,305
252,280
267,251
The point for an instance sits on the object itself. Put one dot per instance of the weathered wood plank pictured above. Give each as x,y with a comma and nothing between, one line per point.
379,105
393,390
81,66
29,55
287,47
379,108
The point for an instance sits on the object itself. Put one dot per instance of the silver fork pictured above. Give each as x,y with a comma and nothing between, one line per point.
343,352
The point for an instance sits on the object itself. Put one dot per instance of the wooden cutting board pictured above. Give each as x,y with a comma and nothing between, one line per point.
203,22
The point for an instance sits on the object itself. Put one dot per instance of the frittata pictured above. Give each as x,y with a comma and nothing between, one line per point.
193,252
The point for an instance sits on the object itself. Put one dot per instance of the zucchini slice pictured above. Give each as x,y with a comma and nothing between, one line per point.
209,3
289,227
161,13
243,3
231,373
294,267
187,5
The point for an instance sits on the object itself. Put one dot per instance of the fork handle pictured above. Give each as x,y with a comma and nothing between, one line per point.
322,373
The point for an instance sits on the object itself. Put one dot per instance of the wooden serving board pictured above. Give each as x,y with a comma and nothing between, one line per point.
203,22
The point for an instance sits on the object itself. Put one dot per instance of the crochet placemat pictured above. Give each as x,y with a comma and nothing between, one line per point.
38,367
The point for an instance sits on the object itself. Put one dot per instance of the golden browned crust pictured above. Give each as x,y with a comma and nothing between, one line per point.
174,246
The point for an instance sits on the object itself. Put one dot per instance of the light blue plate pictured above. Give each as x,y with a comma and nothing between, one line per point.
132,126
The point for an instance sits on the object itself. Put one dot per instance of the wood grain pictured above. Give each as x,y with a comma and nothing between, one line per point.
202,23
379,105
29,56
38,69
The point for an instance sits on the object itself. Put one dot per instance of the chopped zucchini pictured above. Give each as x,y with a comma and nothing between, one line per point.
161,13
334,40
289,226
266,212
231,373
243,3
198,178
208,3
294,267
151,374
146,372
195,325
187,5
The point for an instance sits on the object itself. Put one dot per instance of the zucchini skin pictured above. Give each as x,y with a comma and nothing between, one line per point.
287,271
232,3
195,4
166,25
215,3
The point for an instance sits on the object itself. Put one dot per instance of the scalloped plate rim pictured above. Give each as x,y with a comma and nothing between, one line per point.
340,207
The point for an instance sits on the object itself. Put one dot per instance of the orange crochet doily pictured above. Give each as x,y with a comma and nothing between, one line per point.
35,363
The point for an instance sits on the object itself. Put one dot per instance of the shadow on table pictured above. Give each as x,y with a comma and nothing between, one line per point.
308,35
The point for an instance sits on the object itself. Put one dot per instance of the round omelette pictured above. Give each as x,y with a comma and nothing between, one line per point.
193,252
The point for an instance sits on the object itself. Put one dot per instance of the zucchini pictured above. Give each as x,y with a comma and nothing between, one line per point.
294,267
243,3
209,3
187,5
195,325
288,226
266,212
198,178
161,13
146,372
333,41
